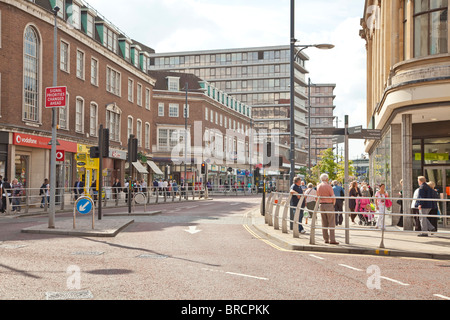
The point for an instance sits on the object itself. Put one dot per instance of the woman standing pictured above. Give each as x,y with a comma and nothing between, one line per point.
380,203
353,192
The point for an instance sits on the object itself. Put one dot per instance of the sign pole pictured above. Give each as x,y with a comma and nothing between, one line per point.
100,169
51,215
346,183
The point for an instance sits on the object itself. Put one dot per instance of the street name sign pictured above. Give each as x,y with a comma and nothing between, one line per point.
369,134
55,97
327,131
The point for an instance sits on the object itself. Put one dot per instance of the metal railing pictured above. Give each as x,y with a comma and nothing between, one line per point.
277,202
31,200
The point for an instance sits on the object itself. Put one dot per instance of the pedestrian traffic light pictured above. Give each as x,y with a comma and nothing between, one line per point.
94,152
203,168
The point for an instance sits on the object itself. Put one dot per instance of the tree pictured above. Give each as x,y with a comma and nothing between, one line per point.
328,164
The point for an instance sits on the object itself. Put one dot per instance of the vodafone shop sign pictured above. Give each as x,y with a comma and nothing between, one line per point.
28,140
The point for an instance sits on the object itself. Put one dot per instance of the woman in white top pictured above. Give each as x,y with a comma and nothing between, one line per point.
310,199
380,203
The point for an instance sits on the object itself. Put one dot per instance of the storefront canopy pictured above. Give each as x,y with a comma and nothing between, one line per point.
154,168
139,167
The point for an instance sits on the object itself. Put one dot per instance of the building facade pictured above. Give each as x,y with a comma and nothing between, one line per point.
260,78
408,93
107,82
322,116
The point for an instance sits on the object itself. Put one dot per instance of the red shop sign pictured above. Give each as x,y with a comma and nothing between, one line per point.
28,140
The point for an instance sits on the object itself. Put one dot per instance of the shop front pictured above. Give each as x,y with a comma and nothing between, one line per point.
30,161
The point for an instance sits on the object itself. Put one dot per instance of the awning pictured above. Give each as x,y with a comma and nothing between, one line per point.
154,167
139,167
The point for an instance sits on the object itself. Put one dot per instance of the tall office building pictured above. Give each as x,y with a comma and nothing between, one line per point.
322,116
260,78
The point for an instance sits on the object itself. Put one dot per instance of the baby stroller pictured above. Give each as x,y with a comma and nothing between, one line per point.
365,211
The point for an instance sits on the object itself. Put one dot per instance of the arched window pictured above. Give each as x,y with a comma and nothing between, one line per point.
31,61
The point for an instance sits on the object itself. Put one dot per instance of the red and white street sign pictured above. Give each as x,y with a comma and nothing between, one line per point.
55,97
60,155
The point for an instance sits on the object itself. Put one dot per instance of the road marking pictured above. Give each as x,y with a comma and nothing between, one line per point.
245,275
441,296
193,230
350,267
235,274
317,257
395,281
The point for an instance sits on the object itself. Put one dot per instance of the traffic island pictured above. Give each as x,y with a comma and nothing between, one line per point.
83,228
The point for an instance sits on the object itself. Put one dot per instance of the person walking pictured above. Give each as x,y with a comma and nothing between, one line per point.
400,203
17,192
311,198
435,206
78,189
339,205
353,192
327,203
116,188
425,192
296,192
6,194
380,203
45,201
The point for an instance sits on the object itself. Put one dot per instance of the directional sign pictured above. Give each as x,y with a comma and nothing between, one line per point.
84,205
354,130
369,134
338,139
327,131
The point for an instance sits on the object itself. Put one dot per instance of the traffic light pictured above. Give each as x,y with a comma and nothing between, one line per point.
105,142
94,152
203,168
133,149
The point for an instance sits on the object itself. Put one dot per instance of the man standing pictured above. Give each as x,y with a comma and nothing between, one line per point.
327,205
425,192
339,204
296,192
78,188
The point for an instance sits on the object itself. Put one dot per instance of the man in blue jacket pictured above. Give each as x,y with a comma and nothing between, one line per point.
296,192
425,192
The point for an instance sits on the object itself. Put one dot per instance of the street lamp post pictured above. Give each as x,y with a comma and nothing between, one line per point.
292,83
51,220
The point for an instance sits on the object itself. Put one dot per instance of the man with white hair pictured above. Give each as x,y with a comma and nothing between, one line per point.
327,202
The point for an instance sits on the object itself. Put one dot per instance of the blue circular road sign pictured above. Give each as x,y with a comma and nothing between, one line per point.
84,205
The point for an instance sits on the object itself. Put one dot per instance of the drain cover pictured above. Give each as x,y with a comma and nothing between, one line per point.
69,295
152,256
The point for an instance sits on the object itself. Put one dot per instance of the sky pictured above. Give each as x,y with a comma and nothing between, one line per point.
191,25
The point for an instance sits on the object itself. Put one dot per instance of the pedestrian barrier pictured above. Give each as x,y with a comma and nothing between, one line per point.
276,202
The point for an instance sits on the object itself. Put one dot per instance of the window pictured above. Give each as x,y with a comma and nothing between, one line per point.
206,114
139,132
147,98
60,4
80,64
110,39
169,138
76,16
64,57
173,83
130,126
160,109
130,90
90,26
113,122
64,115
93,119
31,83
173,110
113,81
147,135
139,95
430,27
79,115
94,72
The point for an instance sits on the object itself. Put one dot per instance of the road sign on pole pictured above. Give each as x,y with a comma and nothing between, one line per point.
55,97
327,131
84,206
354,130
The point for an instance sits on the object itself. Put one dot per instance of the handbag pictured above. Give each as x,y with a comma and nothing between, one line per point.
388,203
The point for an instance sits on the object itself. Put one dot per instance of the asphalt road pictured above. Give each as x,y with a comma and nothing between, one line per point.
203,250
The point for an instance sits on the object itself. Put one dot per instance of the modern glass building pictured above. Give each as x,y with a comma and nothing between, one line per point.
260,78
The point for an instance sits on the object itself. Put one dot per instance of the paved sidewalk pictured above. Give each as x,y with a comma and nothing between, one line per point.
363,240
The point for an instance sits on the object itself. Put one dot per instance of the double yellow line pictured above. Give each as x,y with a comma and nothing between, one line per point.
254,234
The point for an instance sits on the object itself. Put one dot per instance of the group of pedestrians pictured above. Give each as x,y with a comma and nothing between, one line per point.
363,203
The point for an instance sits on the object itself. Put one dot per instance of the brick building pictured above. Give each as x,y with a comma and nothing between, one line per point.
105,75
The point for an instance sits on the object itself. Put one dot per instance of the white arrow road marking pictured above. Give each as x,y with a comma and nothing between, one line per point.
193,230
83,207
